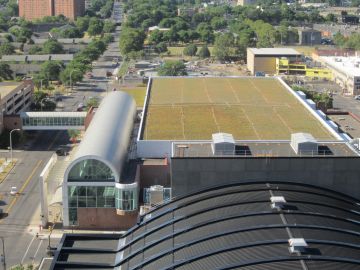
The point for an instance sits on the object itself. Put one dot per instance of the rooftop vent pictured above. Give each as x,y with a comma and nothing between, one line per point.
277,202
297,245
223,144
304,144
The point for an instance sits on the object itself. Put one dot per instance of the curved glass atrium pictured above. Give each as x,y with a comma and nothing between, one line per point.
91,170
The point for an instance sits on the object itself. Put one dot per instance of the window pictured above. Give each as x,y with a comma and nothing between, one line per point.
91,196
127,200
91,170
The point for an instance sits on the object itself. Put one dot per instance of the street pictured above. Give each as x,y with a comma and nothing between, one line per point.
15,226
19,227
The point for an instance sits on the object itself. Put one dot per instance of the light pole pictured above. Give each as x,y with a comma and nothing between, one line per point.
71,79
41,104
3,255
11,154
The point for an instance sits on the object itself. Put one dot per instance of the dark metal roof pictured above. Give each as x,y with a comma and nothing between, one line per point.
235,227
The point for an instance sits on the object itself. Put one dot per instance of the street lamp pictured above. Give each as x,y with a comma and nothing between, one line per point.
41,103
71,78
11,154
3,255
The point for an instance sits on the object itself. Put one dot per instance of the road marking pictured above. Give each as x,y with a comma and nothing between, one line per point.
22,188
27,250
53,141
37,250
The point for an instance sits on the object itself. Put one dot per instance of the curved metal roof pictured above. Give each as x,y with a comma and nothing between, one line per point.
235,227
107,137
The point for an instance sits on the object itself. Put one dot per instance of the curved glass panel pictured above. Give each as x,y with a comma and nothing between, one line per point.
91,170
126,199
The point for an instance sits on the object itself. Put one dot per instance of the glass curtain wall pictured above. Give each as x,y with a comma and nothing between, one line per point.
126,199
53,121
89,197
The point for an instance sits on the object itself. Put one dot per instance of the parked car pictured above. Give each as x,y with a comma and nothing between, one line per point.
357,97
89,75
13,191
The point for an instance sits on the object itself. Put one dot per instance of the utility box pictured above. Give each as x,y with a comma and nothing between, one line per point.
223,144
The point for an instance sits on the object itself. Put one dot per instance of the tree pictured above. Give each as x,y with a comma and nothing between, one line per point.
22,34
218,23
206,32
7,48
161,47
52,46
95,26
331,18
51,69
204,52
71,33
82,23
223,46
5,71
76,75
35,49
172,68
92,102
109,27
184,36
131,40
339,39
190,50
155,37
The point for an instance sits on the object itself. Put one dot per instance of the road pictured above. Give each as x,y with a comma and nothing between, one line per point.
15,227
18,229
99,84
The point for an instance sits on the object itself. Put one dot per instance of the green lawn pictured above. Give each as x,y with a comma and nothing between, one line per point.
250,109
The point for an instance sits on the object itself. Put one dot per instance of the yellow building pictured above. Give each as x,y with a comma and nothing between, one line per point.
285,66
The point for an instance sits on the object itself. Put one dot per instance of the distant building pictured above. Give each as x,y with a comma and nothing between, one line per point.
309,36
153,28
346,72
245,2
264,59
37,9
15,97
285,66
186,11
350,19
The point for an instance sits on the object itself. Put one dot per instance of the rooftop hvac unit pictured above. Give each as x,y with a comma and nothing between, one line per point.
156,194
304,144
277,202
223,144
297,245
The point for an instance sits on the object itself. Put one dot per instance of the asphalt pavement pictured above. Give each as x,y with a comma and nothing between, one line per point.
21,244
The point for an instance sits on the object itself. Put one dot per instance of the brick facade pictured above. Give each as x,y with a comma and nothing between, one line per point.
37,9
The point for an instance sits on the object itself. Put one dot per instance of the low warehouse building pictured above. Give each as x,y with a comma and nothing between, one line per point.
346,72
264,59
186,120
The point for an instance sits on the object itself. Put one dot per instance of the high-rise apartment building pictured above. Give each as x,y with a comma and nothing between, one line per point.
37,9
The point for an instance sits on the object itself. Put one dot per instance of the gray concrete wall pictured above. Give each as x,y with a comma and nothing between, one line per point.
341,174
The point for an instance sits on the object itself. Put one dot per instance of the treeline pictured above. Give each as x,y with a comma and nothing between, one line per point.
249,25
351,42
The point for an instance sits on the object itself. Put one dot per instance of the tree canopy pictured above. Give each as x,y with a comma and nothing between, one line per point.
52,46
172,68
